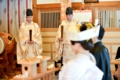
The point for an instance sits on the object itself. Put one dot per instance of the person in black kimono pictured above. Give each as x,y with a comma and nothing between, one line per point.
101,55
116,66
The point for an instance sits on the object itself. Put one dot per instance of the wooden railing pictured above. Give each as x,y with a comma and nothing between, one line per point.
48,75
110,50
51,51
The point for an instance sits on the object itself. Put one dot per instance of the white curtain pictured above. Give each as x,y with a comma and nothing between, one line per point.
3,16
14,21
22,11
14,26
30,4
14,15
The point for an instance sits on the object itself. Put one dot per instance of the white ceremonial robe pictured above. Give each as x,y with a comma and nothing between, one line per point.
81,67
25,50
67,51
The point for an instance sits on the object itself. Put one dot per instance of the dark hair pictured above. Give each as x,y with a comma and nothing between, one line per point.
86,44
29,12
101,33
69,11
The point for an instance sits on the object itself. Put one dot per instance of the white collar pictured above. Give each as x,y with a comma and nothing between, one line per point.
29,23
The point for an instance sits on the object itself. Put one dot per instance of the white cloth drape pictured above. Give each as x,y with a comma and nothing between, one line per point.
14,26
14,21
30,4
3,16
22,11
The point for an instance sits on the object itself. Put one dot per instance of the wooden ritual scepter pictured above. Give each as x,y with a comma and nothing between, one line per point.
25,52
60,53
62,45
30,35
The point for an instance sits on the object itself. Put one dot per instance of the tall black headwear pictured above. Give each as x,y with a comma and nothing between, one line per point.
69,11
29,12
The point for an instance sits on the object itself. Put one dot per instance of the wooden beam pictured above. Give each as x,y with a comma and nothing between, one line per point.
48,6
48,42
55,29
48,36
35,12
26,4
56,6
104,4
111,43
49,29
112,29
78,5
8,6
19,16
106,36
49,52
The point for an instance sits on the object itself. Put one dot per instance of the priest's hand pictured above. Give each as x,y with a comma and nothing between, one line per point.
30,42
116,73
60,39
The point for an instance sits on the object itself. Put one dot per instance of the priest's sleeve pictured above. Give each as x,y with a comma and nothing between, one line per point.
37,38
57,43
22,38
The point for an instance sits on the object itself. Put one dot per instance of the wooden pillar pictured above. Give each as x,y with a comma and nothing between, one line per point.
19,22
26,4
8,2
35,12
64,4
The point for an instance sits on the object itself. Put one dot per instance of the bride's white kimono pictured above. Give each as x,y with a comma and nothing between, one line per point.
81,67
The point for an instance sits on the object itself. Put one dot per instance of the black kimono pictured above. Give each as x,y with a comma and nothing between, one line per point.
101,55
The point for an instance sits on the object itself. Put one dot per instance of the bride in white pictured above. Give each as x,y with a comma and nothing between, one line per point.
83,65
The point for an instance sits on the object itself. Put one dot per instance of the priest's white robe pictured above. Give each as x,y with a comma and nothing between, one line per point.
67,51
25,50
